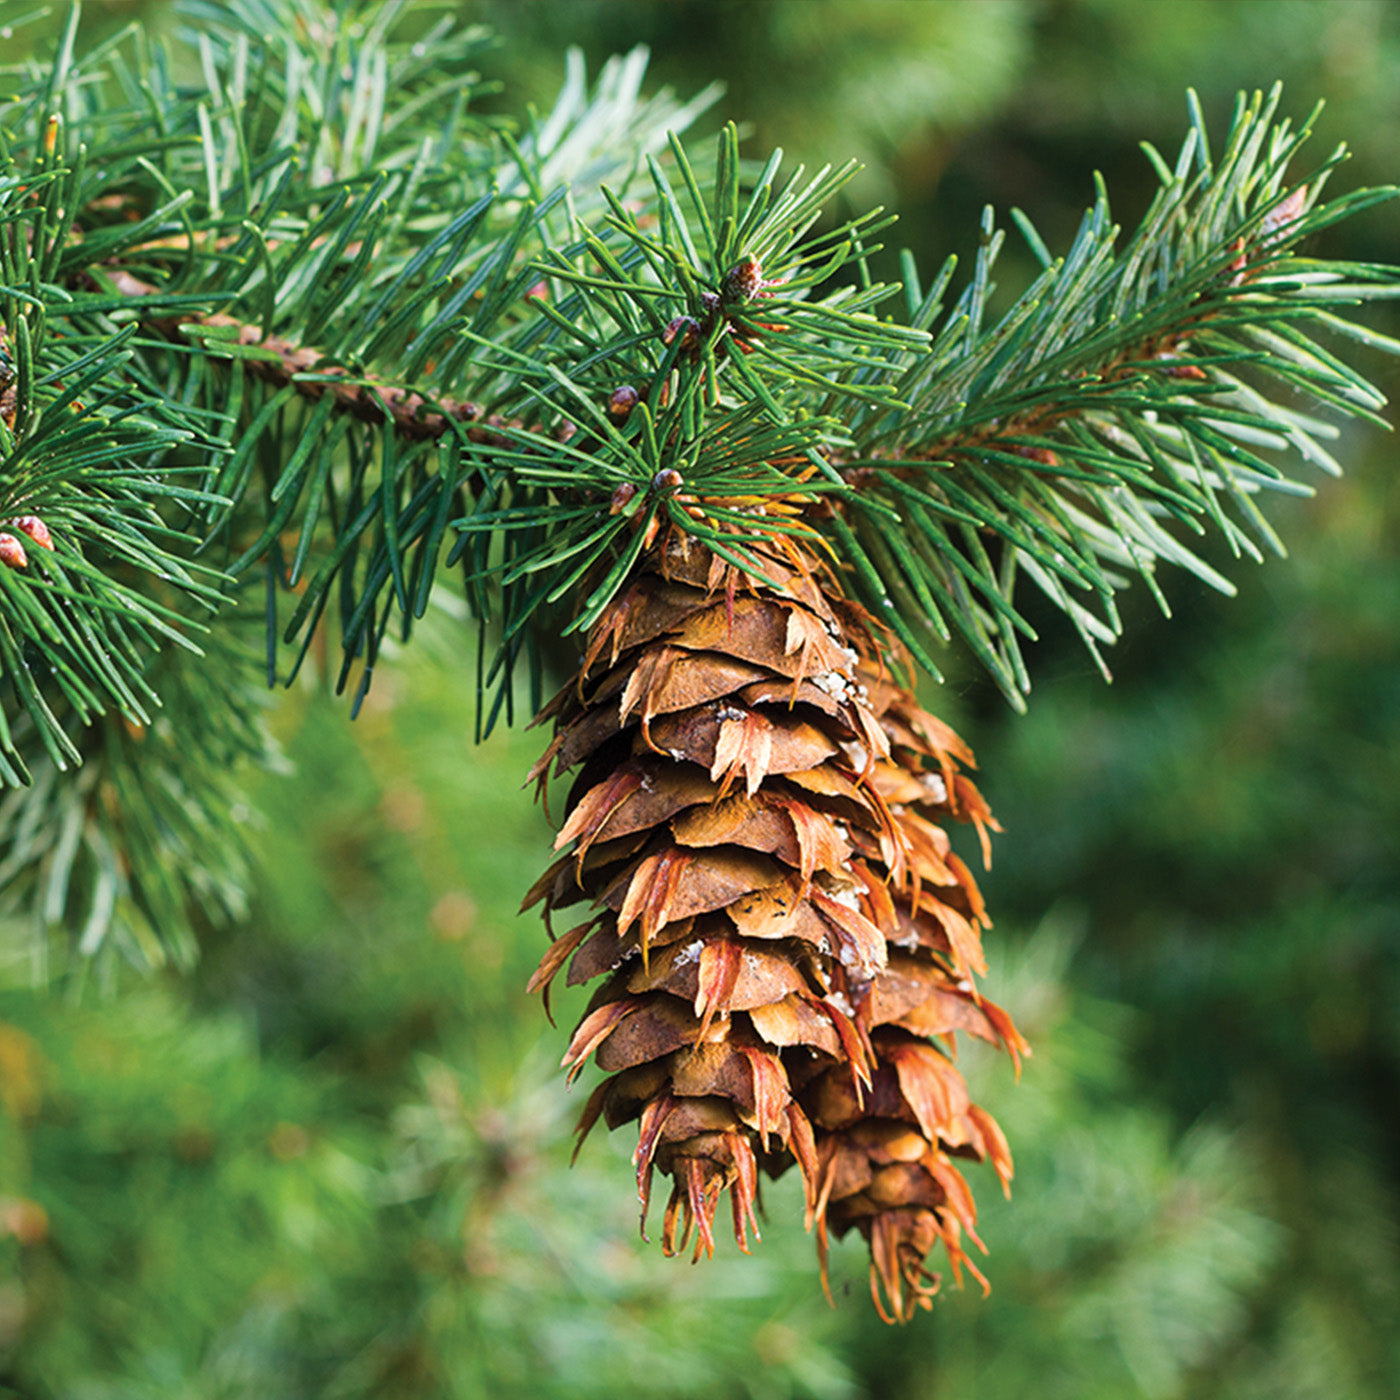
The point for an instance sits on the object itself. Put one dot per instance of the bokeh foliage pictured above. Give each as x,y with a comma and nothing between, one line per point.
333,1160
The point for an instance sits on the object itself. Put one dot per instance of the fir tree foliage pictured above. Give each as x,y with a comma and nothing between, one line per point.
291,325
145,427
146,845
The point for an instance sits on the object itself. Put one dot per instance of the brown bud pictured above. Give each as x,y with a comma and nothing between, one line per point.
744,281
748,340
1177,370
12,553
622,401
709,307
1278,222
622,497
668,479
686,329
35,528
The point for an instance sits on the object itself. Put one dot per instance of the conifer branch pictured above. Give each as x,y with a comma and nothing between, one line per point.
1126,395
278,361
309,321
274,246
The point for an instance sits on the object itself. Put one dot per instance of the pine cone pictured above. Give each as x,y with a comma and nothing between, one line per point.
884,1156
750,830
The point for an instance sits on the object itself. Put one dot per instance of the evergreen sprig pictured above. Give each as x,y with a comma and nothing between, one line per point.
103,467
290,251
1128,394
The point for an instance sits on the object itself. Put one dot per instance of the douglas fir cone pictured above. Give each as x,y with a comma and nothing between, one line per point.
784,935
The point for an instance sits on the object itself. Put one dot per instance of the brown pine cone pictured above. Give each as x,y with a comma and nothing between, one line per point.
775,908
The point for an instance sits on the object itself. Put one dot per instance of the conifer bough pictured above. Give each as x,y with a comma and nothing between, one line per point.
308,330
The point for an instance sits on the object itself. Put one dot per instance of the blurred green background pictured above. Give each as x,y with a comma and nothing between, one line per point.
333,1162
